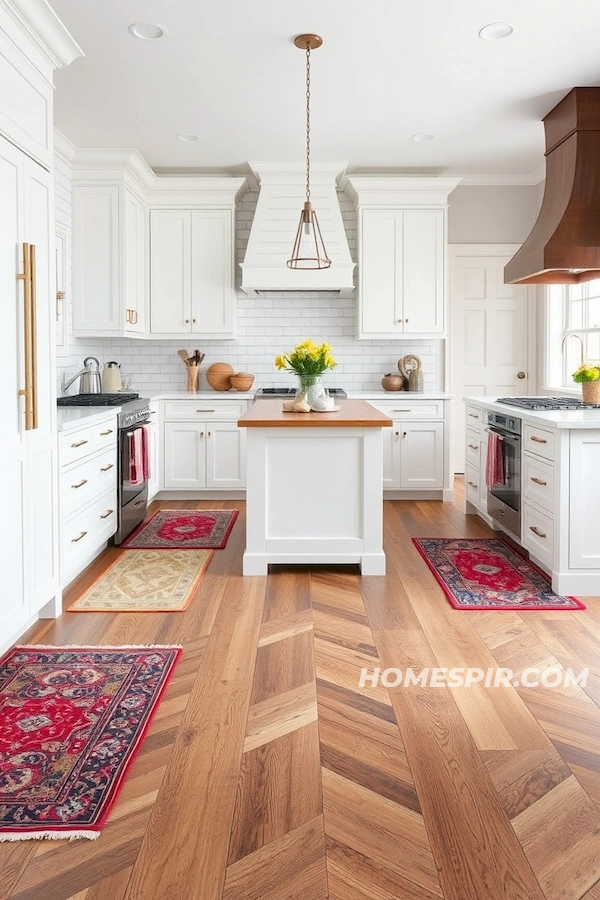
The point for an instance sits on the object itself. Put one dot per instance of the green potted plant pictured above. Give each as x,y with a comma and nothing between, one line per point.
588,377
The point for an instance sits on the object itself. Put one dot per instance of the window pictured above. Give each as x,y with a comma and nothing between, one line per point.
573,330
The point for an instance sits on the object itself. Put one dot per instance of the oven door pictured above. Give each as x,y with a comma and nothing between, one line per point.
129,489
504,500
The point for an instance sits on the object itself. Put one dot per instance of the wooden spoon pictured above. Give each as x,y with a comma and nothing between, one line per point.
184,356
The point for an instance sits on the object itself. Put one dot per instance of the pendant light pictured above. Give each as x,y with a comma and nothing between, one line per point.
309,250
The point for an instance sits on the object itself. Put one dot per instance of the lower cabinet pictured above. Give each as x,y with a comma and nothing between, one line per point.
414,448
155,461
199,455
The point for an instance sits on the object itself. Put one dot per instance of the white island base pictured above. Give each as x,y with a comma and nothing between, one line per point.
314,493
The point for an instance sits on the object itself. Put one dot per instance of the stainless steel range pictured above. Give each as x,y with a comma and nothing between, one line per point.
269,393
541,403
132,495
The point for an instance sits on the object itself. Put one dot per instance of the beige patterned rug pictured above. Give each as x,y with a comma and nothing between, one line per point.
147,581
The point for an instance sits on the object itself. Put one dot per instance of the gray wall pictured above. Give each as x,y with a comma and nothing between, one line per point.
491,214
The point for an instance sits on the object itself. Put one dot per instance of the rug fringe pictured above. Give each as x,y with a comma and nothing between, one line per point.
98,647
49,835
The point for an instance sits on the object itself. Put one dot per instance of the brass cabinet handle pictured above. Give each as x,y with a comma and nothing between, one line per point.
78,444
106,468
108,513
104,433
80,483
472,483
404,433
30,337
82,535
473,415
134,314
206,410
473,446
397,433
537,439
128,315
402,410
538,481
201,434
539,533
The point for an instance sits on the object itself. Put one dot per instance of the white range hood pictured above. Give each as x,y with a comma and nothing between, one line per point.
282,195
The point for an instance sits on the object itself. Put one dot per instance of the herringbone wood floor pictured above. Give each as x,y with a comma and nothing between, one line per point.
268,775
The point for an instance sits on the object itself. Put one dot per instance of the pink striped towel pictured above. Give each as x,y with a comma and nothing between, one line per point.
494,466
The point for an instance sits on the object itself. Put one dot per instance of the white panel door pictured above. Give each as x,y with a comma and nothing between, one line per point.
14,607
391,457
61,245
488,344
135,264
184,456
584,536
42,548
96,263
422,455
170,271
225,455
423,271
381,272
213,297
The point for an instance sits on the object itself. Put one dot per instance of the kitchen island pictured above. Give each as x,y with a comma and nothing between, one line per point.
313,491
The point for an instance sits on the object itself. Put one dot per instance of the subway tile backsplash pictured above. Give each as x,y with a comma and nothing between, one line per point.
266,326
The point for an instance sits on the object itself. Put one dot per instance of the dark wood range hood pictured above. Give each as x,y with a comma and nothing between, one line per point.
564,246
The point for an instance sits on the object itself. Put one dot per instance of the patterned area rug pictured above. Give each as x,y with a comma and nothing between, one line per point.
72,720
146,581
487,573
176,529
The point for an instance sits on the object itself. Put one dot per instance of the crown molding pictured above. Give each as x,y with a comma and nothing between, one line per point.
63,146
38,21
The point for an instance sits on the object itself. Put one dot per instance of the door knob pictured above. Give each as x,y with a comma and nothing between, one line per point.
521,375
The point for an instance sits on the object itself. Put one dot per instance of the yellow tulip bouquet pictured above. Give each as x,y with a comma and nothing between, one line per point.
308,361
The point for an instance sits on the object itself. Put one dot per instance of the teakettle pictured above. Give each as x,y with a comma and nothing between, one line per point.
90,377
111,377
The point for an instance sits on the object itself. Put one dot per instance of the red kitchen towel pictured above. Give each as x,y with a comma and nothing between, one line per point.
494,464
146,452
136,457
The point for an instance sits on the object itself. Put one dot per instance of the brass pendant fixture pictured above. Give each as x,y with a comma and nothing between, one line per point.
309,250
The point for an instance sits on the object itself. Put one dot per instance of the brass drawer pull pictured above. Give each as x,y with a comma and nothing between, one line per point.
104,433
539,533
82,535
78,444
472,483
80,484
108,513
538,440
473,415
402,410
206,410
538,481
106,468
473,446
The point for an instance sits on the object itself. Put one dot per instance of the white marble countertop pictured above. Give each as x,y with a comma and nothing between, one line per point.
397,395
545,418
198,395
70,418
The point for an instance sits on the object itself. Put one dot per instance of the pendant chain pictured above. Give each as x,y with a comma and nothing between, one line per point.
307,122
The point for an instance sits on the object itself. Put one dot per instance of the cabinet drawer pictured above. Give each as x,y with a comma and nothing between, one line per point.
538,533
538,482
472,448
82,482
88,529
539,441
75,445
410,409
203,410
105,435
472,485
474,418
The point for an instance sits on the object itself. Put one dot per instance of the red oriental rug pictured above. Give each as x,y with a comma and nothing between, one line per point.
178,529
71,722
487,573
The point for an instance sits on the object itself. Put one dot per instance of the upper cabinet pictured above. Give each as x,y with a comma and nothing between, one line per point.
402,239
191,272
152,256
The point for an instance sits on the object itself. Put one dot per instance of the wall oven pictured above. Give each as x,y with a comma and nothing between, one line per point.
132,483
504,486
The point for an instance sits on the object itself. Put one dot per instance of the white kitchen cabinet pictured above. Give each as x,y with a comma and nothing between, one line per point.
155,460
422,456
192,285
584,501
110,235
200,455
402,240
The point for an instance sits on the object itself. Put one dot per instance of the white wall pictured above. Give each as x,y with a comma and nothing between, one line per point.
266,326
491,214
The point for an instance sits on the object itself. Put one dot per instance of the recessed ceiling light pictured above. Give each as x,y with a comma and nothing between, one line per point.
495,31
422,137
188,138
147,31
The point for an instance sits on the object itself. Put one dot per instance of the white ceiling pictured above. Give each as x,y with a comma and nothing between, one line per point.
228,71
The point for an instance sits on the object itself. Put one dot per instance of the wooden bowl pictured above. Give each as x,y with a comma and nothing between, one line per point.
392,382
219,376
242,381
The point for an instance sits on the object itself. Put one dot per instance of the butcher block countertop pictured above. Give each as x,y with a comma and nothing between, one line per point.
353,414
